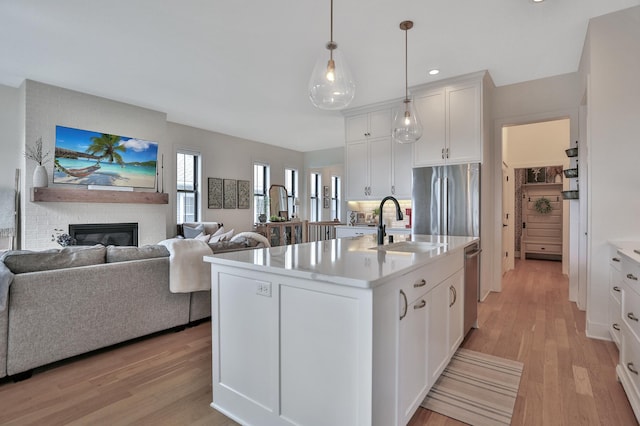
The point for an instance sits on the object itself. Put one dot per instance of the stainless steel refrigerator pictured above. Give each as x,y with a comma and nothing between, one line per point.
446,201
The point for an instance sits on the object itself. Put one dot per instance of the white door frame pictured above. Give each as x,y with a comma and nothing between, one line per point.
573,115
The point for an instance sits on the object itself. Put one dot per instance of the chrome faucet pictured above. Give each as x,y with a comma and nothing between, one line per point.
381,226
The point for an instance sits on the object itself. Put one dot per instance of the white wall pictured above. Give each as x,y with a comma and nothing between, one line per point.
610,71
48,106
11,144
534,101
228,157
536,144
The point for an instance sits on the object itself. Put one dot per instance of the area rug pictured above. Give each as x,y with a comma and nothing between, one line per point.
476,388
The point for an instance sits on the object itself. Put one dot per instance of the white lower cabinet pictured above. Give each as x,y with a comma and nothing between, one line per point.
625,273
296,351
413,376
430,331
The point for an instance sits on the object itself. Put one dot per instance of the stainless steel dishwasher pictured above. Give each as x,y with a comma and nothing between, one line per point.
471,286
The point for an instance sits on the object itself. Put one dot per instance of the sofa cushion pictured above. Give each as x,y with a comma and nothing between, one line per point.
126,253
192,231
23,261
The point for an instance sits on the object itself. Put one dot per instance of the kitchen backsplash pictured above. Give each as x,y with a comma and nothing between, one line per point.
367,208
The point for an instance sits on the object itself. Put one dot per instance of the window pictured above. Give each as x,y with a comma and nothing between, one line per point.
315,197
291,184
335,197
260,189
187,187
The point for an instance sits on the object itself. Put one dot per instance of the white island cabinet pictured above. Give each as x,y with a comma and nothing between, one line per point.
334,332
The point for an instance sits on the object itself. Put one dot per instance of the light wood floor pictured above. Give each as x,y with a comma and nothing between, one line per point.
166,380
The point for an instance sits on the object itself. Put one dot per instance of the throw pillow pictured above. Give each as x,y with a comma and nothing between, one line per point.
192,231
219,232
20,262
125,253
226,236
203,237
258,238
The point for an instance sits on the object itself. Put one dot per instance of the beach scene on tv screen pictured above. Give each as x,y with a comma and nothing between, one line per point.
85,157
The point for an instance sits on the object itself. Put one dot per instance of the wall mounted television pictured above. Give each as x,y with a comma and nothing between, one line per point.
84,157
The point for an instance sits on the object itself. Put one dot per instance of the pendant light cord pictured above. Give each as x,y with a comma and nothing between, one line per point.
406,66
331,33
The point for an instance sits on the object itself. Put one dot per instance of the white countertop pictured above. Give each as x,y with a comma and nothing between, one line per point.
626,248
343,261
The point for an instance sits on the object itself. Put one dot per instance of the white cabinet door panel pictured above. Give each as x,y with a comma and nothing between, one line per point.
438,330
431,110
464,131
380,167
319,376
455,284
357,170
413,378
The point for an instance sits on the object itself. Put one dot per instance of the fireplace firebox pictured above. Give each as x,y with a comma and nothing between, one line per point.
116,234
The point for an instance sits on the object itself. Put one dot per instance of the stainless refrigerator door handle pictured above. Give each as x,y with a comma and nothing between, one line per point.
445,205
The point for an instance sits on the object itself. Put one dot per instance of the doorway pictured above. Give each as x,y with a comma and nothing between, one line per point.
533,155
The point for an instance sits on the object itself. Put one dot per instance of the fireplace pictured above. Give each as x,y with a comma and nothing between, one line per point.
116,234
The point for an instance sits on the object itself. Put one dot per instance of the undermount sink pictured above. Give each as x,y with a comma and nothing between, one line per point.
409,247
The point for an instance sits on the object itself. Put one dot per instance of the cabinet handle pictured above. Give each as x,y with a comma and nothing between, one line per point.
404,296
453,291
616,327
447,152
420,283
393,189
615,259
630,368
420,305
443,153
632,317
616,288
632,277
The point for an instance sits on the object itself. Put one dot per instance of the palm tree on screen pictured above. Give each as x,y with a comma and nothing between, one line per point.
107,147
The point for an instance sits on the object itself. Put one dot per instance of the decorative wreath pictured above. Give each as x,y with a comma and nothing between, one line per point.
543,206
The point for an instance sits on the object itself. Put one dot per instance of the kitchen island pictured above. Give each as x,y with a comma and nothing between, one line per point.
339,332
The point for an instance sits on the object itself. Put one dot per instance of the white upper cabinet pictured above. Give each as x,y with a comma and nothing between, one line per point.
451,117
370,125
369,155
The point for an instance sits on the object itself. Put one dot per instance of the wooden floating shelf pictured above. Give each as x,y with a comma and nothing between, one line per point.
39,195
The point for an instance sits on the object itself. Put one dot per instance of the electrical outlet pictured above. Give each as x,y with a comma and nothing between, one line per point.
263,289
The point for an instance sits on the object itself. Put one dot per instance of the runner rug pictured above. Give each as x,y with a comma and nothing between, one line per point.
476,388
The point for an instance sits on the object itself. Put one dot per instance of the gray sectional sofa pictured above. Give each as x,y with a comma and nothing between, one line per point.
70,301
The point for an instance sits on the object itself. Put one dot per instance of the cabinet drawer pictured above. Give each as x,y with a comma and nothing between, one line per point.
543,248
615,259
616,288
427,277
631,311
615,318
631,274
630,359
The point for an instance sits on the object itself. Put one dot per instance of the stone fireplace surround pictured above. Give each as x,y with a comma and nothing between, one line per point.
117,234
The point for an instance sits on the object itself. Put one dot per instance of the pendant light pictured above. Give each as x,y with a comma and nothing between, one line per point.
331,86
406,125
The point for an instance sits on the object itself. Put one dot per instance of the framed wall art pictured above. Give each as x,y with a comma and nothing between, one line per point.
244,194
230,187
215,193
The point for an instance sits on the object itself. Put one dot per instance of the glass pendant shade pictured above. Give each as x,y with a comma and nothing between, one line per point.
406,124
331,85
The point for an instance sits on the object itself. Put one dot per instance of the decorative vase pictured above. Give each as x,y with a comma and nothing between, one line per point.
262,218
40,177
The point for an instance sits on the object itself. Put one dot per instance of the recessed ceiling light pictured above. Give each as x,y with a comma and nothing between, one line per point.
434,72
537,1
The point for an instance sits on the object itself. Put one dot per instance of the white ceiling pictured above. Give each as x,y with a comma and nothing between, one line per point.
241,67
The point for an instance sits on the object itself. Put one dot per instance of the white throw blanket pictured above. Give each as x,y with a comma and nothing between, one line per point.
187,271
